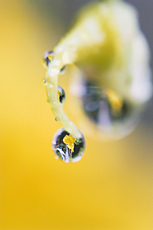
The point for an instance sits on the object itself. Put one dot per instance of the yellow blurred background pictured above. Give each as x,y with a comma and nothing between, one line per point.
111,188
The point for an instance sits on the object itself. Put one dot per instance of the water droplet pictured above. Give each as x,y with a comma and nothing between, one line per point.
68,148
44,81
61,94
57,119
62,71
47,58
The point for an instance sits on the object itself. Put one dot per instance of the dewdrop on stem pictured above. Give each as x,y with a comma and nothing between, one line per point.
67,148
61,94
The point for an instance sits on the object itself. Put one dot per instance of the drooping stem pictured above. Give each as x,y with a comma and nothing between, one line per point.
79,40
52,93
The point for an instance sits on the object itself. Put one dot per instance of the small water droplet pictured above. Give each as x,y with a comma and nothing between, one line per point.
62,71
44,81
57,119
66,147
61,94
47,58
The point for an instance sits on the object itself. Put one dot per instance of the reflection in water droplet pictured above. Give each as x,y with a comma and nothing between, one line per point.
61,94
68,148
104,107
92,106
62,71
47,58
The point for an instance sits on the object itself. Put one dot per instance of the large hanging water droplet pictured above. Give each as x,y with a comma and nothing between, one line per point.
61,94
68,148
114,116
47,58
101,103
